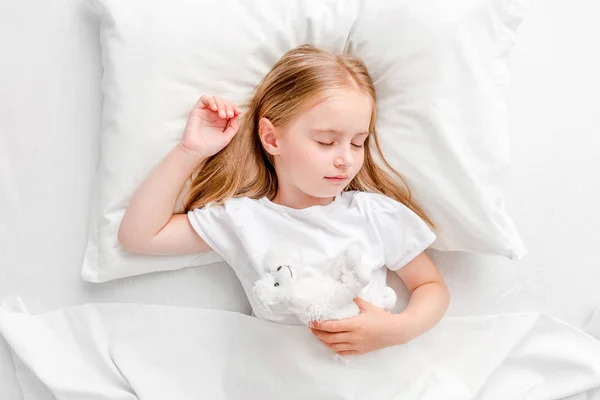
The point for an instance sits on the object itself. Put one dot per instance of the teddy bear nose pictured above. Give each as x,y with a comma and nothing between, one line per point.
278,268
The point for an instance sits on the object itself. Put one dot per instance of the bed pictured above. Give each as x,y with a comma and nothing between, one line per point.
51,97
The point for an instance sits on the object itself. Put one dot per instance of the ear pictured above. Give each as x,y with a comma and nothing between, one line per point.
268,136
280,254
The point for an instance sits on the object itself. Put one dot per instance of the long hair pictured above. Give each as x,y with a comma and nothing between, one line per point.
244,169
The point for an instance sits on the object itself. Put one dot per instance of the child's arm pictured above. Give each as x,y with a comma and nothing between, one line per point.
375,328
149,225
429,297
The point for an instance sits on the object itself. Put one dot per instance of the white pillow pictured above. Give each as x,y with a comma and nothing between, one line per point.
439,68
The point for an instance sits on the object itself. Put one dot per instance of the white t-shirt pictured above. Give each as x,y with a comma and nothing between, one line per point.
243,229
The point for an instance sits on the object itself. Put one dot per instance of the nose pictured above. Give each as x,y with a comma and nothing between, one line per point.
344,159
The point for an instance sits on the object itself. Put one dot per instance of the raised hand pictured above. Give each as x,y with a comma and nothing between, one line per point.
211,125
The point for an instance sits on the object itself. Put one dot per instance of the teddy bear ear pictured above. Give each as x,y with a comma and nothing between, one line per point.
279,255
353,253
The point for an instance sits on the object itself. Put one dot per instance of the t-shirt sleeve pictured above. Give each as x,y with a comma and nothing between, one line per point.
218,226
403,234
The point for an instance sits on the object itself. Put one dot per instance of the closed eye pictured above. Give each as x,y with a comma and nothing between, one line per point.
325,144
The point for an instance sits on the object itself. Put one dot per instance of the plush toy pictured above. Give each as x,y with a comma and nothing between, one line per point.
289,288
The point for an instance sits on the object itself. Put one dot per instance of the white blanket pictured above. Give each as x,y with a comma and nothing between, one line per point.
131,351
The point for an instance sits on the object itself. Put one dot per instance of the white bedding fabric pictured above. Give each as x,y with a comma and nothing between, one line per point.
439,68
132,351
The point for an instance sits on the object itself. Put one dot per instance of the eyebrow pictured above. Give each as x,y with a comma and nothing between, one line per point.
338,132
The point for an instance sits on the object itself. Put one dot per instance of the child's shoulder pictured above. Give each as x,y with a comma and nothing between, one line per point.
230,204
373,202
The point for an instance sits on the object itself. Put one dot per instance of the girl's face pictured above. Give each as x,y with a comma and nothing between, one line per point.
321,151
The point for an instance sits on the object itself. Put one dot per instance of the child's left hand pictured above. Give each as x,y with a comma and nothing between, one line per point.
373,329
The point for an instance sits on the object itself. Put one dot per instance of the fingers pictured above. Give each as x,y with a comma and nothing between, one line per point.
229,109
333,326
204,102
337,347
343,343
328,337
232,110
349,353
224,108
232,126
221,110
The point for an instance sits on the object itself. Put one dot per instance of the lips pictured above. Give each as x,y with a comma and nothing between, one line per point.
337,178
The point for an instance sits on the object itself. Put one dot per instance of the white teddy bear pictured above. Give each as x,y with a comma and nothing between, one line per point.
289,288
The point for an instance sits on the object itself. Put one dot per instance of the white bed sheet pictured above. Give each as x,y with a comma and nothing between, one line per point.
134,351
49,147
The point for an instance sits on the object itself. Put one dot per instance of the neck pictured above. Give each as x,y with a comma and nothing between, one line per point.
298,200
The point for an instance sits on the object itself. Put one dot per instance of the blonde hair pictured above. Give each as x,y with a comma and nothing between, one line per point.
244,169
